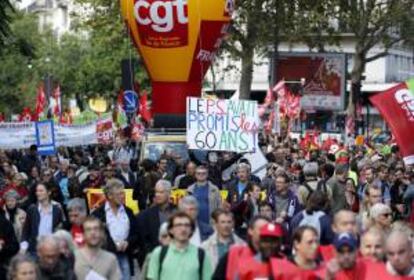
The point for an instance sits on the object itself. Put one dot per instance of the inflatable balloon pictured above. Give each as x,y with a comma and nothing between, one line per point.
178,40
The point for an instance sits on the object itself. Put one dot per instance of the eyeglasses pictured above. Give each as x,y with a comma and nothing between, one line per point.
201,173
182,225
387,215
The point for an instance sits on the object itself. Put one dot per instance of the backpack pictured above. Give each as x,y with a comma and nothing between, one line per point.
201,256
312,220
320,186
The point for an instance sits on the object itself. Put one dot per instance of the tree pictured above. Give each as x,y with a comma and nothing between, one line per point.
17,80
246,37
108,43
374,23
5,17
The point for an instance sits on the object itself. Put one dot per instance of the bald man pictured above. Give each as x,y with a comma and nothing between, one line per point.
399,251
51,265
344,222
372,245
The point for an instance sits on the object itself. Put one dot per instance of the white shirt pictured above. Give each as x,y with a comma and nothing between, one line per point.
196,237
46,221
118,225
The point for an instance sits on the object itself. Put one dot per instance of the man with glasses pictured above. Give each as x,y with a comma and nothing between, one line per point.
283,200
207,195
180,260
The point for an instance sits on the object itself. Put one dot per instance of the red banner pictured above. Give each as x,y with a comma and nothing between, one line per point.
397,108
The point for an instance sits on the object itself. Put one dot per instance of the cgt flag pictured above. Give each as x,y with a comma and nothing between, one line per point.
397,107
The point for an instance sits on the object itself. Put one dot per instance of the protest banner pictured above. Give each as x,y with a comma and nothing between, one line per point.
22,135
96,198
222,125
17,135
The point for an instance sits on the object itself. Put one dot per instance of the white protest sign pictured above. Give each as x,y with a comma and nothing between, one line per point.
222,125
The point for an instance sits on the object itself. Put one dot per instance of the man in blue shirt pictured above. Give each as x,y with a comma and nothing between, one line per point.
237,186
207,195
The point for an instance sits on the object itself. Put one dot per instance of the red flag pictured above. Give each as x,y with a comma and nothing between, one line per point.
289,103
56,109
40,100
144,110
397,108
26,115
293,106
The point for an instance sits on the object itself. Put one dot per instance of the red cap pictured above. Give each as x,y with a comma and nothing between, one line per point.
271,230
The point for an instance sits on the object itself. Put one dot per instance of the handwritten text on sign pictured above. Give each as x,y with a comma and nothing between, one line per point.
222,125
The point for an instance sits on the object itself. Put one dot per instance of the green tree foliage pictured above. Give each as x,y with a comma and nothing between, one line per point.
5,17
85,62
108,44
374,23
17,80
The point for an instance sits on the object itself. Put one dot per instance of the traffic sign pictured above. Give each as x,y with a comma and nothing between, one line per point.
130,101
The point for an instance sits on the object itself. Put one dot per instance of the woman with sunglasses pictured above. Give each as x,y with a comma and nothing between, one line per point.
381,217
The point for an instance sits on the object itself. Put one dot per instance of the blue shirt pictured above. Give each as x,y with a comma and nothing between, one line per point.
240,188
201,194
63,184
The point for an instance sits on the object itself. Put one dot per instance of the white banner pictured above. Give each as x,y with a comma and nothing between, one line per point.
222,125
22,135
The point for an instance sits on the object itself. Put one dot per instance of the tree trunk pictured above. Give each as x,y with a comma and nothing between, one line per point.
246,73
356,77
355,93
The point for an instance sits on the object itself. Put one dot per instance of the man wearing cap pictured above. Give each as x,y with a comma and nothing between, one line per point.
345,265
259,266
343,221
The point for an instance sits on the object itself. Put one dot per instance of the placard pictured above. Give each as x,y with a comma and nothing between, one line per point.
222,125
45,138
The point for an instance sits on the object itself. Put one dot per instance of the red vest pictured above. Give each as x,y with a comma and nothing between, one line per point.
250,268
283,269
236,254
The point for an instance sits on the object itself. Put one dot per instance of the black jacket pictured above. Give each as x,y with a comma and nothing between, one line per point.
148,227
31,227
132,236
129,184
10,245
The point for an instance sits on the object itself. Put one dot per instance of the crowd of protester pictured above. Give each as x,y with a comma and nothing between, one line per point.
318,213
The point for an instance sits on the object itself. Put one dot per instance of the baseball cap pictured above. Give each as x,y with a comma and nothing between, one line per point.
271,230
345,239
